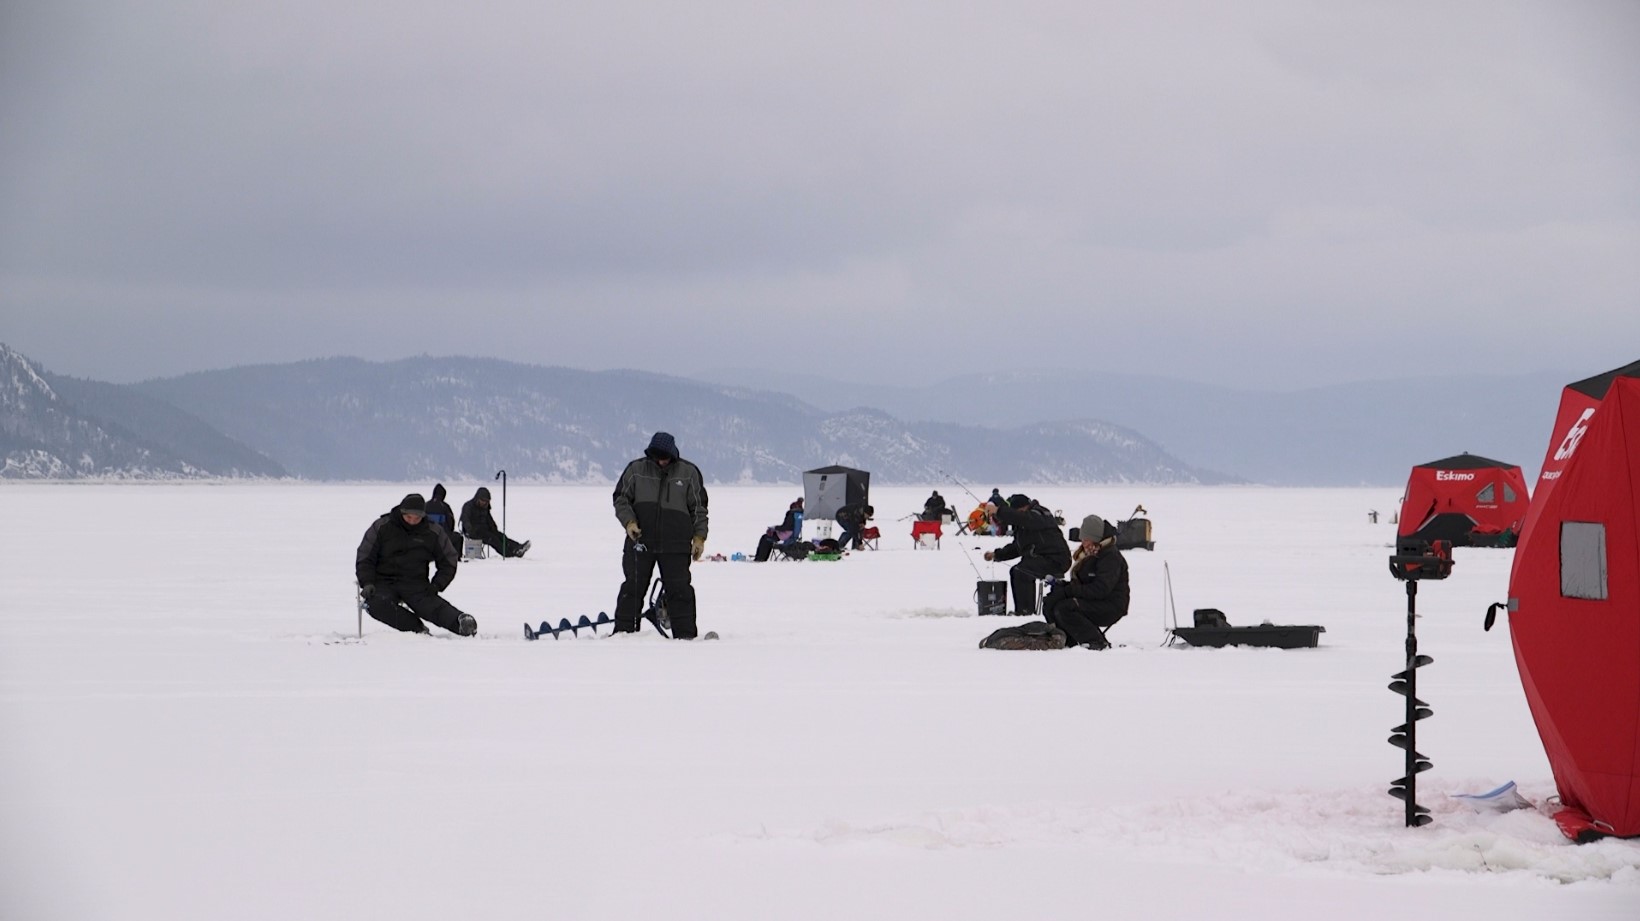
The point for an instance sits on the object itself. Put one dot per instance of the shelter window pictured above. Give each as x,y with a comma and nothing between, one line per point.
1508,493
1583,560
1488,493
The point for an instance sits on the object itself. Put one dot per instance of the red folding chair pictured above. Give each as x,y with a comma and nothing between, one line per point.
921,528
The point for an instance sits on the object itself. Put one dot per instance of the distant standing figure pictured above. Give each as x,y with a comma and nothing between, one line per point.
439,513
1038,544
660,500
1095,594
391,567
479,524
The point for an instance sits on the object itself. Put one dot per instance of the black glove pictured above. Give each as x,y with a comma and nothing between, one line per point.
365,591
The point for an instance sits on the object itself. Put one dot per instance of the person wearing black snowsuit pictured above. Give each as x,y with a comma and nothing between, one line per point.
479,524
935,508
1038,544
1095,594
660,499
439,513
391,567
852,519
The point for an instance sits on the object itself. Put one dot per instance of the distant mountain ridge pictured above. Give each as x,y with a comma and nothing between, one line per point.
61,428
1361,434
346,418
455,418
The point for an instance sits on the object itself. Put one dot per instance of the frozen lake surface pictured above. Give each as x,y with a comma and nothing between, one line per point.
189,727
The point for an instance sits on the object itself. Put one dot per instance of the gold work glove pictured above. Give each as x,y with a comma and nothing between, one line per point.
633,531
699,544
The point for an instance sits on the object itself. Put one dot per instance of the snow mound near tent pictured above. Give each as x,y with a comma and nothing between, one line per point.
1355,832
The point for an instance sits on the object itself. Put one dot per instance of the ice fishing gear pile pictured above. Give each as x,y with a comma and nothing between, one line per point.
1413,561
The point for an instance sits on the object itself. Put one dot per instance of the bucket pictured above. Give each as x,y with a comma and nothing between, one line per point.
992,597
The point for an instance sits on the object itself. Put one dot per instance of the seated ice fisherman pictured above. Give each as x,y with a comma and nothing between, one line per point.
788,532
1038,544
935,509
1095,592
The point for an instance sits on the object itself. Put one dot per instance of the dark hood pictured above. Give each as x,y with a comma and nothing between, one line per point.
483,493
662,445
438,492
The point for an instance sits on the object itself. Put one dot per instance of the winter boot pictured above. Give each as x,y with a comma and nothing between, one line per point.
466,625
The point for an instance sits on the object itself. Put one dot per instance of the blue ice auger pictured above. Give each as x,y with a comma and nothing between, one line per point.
574,629
1414,561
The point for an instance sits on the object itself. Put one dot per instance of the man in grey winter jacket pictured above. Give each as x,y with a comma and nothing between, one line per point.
660,500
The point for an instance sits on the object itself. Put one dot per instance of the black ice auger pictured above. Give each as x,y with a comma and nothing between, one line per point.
1413,561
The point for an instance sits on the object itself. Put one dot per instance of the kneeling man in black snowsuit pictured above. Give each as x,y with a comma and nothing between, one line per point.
1038,544
392,571
661,501
1095,594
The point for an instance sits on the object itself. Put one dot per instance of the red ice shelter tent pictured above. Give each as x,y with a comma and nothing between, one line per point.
1470,500
1574,605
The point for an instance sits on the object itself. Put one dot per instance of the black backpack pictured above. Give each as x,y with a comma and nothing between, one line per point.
1038,634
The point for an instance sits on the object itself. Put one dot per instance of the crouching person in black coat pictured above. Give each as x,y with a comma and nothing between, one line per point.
1038,544
1095,594
392,571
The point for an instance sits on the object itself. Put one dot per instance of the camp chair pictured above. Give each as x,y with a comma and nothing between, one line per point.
869,538
921,528
473,549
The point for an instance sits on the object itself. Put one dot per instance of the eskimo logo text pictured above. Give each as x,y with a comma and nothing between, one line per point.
1575,434
1453,475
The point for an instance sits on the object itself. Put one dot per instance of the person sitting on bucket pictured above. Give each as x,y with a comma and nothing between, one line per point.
1038,544
935,509
1095,593
478,522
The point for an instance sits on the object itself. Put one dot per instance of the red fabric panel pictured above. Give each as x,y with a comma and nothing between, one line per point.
1579,659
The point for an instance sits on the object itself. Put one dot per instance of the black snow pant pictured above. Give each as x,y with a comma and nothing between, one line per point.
1026,576
675,581
1081,619
501,543
389,602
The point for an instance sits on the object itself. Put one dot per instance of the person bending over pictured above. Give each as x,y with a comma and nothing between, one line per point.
852,520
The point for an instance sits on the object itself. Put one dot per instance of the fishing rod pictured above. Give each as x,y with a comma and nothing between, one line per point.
970,560
502,476
962,486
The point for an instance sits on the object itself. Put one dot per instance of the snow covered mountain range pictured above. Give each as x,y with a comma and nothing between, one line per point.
466,418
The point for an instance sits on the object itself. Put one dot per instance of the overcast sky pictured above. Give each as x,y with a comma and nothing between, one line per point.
1263,192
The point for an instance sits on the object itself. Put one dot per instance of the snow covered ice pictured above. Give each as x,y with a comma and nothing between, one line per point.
189,727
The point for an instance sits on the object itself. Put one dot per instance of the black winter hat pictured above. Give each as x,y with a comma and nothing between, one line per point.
662,445
413,503
1018,500
483,493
